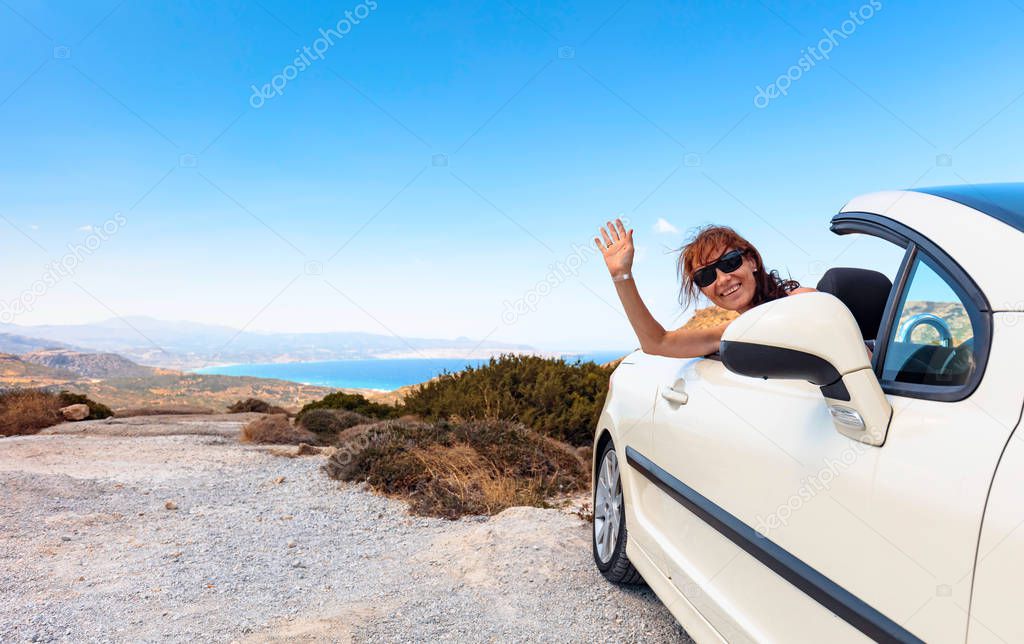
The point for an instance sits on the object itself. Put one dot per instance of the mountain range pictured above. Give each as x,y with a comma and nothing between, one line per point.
190,345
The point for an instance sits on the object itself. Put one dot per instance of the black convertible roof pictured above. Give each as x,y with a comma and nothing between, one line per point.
1003,201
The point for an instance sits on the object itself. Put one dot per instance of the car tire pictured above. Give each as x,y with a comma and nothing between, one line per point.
609,534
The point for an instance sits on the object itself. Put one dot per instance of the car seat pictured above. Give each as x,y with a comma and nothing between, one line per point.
863,291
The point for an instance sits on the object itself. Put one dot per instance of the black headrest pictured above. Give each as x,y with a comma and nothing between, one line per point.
864,292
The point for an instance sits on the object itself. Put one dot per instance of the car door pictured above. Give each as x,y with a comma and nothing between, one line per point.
631,411
779,528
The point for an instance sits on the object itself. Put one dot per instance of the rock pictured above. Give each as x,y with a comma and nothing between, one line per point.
170,505
306,449
75,412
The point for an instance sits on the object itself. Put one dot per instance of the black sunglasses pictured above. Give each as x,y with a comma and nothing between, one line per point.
727,263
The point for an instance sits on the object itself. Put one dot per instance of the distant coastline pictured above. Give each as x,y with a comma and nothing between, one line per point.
376,374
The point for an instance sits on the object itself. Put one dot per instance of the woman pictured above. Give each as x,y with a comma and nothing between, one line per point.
717,262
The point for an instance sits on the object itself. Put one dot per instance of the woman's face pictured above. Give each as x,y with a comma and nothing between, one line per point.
732,291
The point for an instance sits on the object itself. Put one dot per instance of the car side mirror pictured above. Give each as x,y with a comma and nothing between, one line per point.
813,337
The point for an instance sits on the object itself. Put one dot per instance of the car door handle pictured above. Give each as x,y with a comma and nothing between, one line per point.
674,394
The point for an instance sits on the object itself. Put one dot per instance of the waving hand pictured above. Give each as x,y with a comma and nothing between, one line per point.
617,247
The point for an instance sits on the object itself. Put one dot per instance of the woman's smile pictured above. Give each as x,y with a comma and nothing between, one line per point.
729,290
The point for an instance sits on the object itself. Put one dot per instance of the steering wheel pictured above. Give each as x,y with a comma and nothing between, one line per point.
960,360
927,319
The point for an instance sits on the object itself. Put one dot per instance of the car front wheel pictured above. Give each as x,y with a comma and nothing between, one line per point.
609,542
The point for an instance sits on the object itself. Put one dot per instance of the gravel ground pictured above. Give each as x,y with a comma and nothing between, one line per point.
166,528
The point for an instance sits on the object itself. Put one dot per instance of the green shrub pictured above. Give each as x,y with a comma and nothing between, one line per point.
96,410
452,469
350,402
328,422
558,399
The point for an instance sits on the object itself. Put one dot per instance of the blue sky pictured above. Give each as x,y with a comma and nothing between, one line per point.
551,116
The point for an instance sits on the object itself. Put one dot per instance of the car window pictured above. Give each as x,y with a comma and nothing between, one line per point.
932,341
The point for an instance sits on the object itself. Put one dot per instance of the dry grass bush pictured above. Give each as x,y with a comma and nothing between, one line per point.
275,429
453,469
256,405
303,449
586,453
327,423
24,411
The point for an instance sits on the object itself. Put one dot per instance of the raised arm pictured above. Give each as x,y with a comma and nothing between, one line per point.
617,249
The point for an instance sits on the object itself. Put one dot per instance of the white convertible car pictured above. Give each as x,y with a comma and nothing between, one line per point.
796,487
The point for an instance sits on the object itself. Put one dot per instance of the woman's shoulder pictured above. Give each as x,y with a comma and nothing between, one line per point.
802,289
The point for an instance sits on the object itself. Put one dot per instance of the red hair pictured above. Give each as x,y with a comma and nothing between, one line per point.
706,245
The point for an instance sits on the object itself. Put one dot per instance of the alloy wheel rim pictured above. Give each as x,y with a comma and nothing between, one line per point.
607,508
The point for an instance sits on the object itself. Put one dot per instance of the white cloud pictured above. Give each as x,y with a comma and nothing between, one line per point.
86,228
33,226
663,226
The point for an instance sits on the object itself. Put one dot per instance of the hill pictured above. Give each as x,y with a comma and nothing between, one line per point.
15,372
709,317
145,387
174,389
89,365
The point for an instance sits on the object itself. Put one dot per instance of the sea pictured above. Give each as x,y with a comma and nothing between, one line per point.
382,374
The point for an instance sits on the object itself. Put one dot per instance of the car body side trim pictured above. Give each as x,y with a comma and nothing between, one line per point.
815,585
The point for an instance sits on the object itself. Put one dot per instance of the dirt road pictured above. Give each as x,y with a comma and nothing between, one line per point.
167,529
